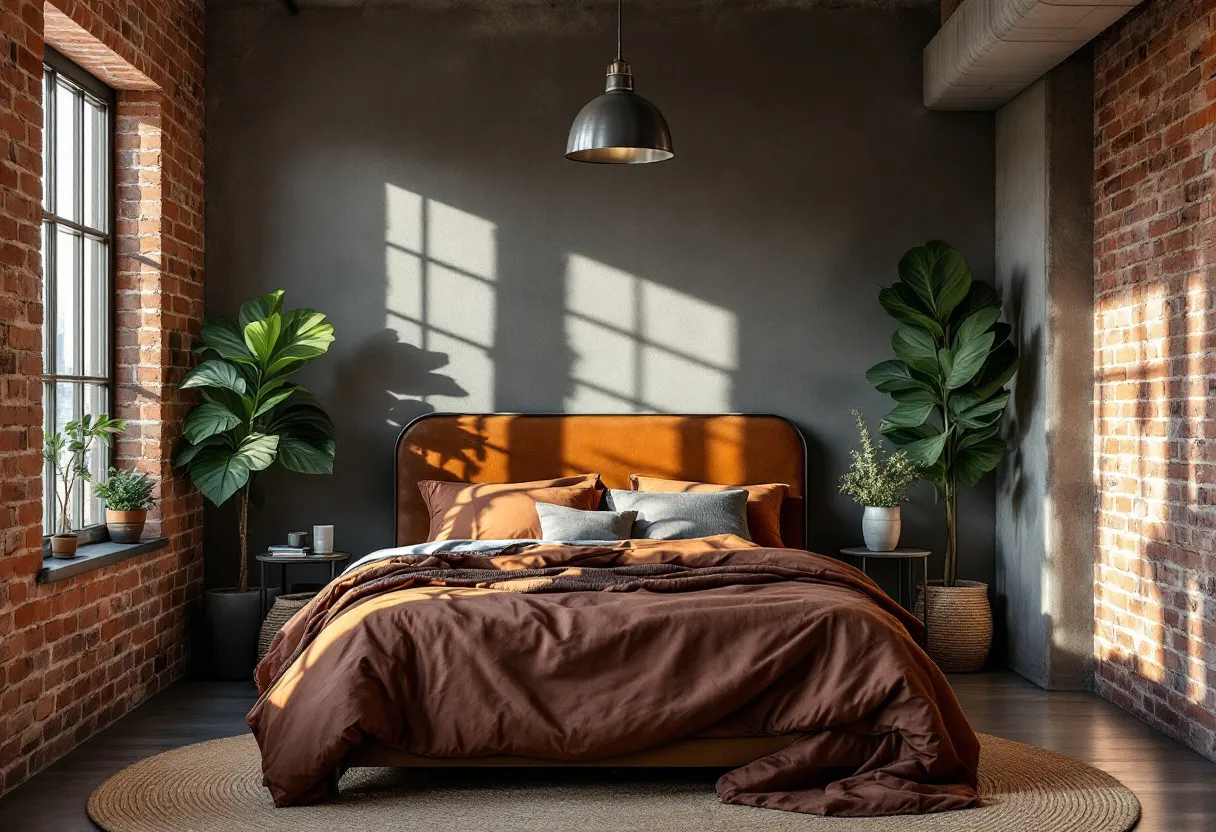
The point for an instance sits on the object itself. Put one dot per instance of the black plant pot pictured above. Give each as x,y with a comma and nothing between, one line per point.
232,621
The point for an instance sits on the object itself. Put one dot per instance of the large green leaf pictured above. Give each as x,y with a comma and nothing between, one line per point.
902,437
938,275
915,347
908,415
262,337
305,335
999,367
184,451
226,398
218,473
889,376
966,360
215,373
975,325
978,415
208,419
258,450
260,308
981,295
974,437
301,420
221,335
307,457
926,452
916,395
978,459
273,400
902,304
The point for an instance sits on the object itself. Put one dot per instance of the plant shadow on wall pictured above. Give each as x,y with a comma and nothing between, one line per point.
1025,401
1155,475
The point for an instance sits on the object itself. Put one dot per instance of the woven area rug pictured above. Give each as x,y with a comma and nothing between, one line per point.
216,787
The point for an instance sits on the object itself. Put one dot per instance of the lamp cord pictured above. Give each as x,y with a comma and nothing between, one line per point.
619,3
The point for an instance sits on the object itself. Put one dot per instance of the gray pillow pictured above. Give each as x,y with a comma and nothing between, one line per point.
678,515
562,523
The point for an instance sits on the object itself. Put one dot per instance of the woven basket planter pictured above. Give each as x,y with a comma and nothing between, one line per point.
285,606
960,625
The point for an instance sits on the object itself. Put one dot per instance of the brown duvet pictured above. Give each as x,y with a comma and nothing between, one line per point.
571,653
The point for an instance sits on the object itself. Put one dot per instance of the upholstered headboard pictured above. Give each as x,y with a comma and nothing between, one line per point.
504,447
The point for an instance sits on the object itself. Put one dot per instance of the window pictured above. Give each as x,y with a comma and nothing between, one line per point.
77,263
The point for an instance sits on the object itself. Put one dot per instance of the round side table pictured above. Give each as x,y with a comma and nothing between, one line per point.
901,557
335,559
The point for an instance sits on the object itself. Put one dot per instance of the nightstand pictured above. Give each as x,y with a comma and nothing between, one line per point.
901,557
334,560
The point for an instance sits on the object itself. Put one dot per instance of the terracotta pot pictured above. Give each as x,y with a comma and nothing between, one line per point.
960,625
63,545
126,526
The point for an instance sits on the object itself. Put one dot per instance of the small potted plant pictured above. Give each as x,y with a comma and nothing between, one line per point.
880,483
128,496
67,454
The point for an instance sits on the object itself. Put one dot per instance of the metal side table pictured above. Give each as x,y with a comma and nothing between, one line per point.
335,561
902,557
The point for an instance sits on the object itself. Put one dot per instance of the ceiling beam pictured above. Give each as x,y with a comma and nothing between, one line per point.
988,51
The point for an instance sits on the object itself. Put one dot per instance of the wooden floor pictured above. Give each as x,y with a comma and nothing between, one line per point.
1176,787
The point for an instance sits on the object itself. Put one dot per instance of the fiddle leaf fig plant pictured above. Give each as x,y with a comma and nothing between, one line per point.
953,358
252,416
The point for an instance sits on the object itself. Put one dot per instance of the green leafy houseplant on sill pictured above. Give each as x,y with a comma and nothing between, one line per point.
251,417
67,454
128,496
878,482
953,358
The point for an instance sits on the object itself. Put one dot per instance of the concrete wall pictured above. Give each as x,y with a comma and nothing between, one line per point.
1044,505
403,172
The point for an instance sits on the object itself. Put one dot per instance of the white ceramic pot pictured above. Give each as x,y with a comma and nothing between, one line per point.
880,528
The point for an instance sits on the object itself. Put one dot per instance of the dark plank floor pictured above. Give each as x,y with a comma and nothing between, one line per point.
1176,787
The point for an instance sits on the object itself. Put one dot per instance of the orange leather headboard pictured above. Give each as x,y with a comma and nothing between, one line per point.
501,447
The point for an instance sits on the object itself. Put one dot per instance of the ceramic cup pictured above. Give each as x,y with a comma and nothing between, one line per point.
297,539
323,540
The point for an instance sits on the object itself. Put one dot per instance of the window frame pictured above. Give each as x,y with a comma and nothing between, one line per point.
56,65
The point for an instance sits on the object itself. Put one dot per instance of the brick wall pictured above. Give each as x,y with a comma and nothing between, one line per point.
78,654
1155,355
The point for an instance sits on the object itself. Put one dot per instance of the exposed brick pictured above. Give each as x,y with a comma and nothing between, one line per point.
1155,396
78,654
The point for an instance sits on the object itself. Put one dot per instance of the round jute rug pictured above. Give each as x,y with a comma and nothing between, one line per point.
216,787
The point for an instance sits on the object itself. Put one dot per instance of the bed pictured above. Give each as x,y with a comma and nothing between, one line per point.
855,720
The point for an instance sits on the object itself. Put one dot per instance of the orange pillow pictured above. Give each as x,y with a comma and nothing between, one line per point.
501,511
763,503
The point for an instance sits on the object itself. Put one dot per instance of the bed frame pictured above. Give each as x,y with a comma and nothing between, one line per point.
507,447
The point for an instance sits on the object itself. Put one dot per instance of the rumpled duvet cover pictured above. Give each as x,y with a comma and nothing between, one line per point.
573,652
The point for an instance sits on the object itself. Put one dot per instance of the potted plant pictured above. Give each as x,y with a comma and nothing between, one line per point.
67,454
128,496
953,358
879,482
250,418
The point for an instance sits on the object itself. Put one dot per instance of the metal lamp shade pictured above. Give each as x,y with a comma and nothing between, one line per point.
619,128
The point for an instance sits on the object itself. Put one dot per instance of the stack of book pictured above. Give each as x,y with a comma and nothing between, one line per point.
285,551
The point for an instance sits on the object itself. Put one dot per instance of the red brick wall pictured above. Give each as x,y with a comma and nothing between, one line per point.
78,654
1155,355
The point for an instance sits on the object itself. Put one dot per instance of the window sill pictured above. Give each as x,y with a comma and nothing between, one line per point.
94,556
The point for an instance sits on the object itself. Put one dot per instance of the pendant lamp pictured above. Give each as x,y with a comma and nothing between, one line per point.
619,127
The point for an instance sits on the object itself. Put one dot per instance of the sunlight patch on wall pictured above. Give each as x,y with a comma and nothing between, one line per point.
642,347
440,292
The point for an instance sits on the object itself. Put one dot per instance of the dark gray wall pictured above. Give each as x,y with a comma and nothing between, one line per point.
352,155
